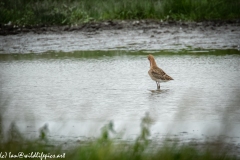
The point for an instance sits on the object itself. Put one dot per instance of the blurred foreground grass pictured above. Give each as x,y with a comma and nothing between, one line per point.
60,12
106,147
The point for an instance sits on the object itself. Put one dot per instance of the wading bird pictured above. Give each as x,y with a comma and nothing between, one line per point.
156,73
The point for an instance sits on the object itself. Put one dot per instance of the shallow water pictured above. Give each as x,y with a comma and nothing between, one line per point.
77,93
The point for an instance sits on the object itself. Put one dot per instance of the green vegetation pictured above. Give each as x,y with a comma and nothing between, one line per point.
113,53
107,148
62,12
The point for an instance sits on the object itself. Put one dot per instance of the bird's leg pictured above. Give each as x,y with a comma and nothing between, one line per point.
158,85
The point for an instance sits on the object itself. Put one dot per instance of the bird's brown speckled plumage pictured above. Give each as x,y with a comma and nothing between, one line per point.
156,73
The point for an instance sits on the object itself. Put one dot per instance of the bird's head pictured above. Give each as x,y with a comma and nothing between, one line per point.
150,57
151,60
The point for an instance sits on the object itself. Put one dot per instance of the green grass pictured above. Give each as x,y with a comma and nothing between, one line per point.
107,148
61,12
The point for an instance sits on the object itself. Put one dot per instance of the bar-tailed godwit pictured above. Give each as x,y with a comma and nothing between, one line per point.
156,73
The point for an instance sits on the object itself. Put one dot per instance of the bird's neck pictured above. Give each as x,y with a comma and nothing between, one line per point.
153,63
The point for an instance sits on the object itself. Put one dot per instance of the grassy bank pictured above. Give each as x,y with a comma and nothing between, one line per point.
61,12
106,147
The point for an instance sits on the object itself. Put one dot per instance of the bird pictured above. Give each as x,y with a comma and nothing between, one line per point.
156,73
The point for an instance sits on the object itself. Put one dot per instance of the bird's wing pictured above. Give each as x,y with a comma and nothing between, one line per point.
160,74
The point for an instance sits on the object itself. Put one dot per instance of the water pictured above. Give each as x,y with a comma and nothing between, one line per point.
77,93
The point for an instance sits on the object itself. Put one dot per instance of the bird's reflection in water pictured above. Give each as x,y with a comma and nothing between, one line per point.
159,93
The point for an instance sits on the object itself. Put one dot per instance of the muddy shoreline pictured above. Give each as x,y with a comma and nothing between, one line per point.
121,35
9,29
